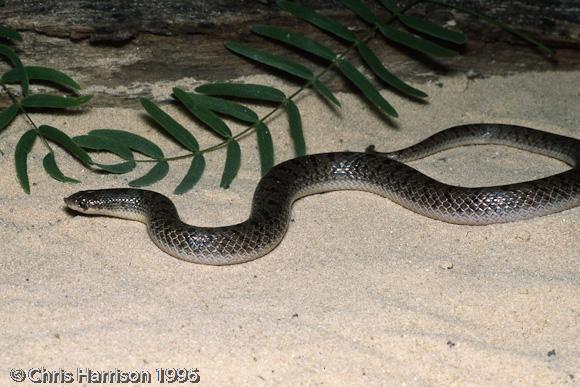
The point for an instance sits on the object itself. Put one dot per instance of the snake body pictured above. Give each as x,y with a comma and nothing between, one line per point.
381,173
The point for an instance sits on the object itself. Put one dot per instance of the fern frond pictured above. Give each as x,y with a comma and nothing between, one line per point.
210,102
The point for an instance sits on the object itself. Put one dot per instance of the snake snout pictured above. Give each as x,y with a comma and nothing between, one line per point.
80,201
76,204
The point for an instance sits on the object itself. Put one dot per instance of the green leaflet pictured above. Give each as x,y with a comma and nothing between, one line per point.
243,90
318,20
271,60
426,27
209,118
363,84
102,143
295,40
415,43
284,64
223,106
9,33
391,6
361,10
119,168
295,123
62,139
158,172
42,74
233,158
131,141
172,127
192,176
50,166
380,71
323,90
265,147
423,25
7,115
11,55
21,152
305,44
396,35
53,101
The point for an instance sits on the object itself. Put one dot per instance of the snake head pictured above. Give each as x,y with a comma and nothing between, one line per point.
127,203
101,201
84,201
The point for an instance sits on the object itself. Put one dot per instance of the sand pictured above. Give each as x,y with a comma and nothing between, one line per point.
360,291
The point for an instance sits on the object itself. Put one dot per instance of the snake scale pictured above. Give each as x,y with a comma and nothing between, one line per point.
381,173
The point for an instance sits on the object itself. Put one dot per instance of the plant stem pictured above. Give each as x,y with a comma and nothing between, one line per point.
370,33
16,102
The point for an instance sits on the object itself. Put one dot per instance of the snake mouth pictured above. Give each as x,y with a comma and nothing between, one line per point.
70,203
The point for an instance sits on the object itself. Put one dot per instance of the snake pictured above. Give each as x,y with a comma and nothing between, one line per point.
382,173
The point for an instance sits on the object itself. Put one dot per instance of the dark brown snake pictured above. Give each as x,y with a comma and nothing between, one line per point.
380,173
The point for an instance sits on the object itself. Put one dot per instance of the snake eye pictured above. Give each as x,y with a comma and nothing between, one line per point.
83,204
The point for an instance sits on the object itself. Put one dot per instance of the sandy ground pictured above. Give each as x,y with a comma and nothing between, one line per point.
360,291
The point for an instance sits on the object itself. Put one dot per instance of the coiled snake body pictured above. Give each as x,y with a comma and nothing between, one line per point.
380,173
